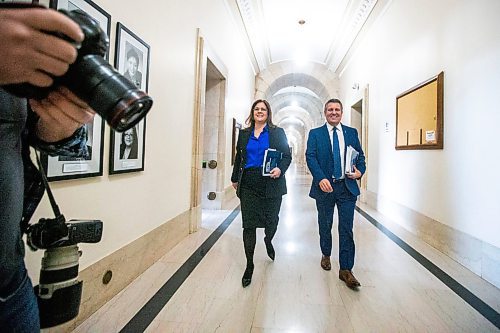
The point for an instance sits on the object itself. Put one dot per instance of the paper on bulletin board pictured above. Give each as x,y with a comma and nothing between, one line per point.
430,136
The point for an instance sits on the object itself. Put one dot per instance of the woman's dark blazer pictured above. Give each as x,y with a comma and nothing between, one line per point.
277,140
133,150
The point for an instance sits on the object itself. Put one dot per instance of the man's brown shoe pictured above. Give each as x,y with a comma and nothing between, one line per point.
349,279
325,263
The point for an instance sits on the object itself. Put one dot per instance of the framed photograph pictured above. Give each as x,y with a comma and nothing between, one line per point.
127,149
18,1
90,8
234,139
132,61
60,167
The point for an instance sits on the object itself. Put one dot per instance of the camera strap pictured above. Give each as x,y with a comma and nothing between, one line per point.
52,200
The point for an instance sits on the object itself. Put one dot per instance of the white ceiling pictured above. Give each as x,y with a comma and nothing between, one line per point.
272,32
289,40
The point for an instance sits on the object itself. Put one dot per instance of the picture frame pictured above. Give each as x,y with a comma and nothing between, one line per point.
419,116
89,7
132,56
234,139
63,168
20,1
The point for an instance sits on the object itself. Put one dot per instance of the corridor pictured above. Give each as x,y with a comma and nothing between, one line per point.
416,83
293,293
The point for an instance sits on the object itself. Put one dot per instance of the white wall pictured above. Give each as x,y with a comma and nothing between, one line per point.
133,204
411,42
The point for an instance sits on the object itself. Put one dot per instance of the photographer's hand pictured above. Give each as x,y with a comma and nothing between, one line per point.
61,114
29,51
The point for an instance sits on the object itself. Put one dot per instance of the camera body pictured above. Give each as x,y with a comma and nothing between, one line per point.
56,232
94,80
59,291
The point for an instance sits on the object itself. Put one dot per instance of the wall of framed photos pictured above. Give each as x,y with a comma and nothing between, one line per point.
168,64
141,196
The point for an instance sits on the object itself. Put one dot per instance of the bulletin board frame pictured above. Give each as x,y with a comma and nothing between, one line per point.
419,116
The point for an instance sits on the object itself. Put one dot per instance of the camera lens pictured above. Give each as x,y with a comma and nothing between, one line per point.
95,81
109,93
130,110
59,292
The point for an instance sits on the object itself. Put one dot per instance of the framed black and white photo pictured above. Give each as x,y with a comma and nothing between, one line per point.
132,57
18,1
63,167
91,9
132,61
127,149
234,139
60,167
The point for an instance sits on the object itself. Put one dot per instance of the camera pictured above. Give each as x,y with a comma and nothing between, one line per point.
50,233
94,80
59,291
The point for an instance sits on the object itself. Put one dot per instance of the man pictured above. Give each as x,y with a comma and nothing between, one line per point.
325,156
31,53
131,72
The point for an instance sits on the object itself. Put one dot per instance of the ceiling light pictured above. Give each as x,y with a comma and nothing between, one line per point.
302,22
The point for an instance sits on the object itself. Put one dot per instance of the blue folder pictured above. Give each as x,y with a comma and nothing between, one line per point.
272,157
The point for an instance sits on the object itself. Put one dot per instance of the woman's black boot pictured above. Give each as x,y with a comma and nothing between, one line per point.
269,248
247,276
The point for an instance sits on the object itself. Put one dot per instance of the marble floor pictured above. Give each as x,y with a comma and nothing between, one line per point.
293,293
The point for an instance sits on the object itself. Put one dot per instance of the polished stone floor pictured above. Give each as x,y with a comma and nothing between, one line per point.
293,293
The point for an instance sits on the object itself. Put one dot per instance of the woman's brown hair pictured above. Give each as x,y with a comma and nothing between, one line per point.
250,122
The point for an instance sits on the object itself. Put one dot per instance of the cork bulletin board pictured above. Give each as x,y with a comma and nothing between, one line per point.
419,116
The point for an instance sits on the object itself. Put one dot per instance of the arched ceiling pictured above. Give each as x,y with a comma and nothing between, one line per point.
320,31
302,80
295,89
297,48
297,93
298,118
300,105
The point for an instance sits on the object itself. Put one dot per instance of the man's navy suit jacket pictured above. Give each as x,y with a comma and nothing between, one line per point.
319,158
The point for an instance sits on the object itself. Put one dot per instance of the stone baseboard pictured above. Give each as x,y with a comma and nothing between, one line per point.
126,264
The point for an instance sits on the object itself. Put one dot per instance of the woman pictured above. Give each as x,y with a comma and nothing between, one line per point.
260,195
132,73
129,144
